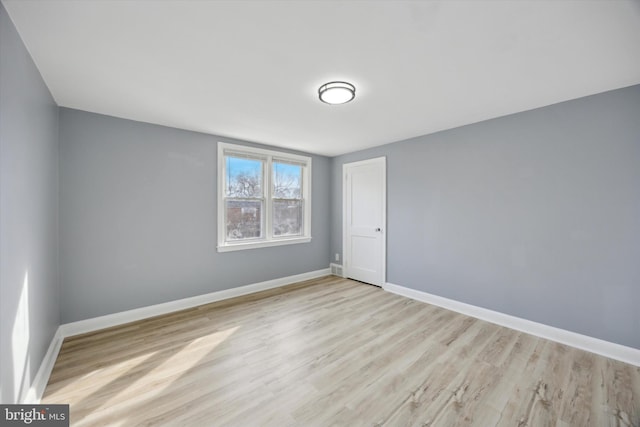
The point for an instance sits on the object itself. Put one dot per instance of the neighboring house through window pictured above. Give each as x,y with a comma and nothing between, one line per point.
264,198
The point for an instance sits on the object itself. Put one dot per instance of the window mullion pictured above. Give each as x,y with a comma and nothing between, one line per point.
268,190
279,215
305,192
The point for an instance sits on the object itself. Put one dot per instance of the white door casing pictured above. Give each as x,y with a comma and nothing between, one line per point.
364,220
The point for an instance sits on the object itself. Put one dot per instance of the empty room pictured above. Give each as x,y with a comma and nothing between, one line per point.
320,213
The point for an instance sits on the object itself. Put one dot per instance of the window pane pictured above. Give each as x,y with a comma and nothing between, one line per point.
244,219
244,177
287,217
287,181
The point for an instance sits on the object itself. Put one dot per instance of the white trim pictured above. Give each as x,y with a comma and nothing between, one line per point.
262,244
268,157
583,342
345,245
35,392
109,320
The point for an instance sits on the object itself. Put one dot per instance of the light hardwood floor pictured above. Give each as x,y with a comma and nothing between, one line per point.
335,352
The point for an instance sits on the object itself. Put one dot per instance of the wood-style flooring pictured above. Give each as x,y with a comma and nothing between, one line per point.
330,352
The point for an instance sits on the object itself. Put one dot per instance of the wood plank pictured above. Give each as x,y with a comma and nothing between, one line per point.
331,351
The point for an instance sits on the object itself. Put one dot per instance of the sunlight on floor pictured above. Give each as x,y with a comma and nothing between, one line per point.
83,384
184,359
20,342
158,373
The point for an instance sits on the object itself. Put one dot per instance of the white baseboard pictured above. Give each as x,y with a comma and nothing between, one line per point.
34,395
594,345
109,320
35,392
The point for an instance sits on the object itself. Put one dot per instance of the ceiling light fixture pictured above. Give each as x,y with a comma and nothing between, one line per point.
337,92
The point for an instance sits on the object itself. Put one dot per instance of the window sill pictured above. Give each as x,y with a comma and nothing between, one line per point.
230,247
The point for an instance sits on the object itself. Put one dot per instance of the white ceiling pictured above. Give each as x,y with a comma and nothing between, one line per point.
251,69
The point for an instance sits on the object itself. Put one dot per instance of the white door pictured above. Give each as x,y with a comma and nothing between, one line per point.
364,220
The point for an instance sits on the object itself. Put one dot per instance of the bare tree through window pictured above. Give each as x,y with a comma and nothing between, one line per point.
263,198
244,198
287,199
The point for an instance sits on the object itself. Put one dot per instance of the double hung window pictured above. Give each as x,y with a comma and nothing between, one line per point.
263,198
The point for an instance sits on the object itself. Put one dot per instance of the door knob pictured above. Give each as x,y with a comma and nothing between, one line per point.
378,229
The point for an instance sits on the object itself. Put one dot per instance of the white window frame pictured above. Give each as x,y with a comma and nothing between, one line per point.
268,239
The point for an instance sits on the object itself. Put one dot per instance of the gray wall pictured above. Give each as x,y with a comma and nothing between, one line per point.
536,214
29,309
138,218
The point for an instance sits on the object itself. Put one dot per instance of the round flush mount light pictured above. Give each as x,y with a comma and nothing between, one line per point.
337,92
